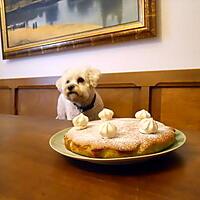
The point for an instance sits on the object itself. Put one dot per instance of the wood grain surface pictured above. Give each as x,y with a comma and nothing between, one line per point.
31,170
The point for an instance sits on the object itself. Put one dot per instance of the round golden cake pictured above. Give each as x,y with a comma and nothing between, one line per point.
128,141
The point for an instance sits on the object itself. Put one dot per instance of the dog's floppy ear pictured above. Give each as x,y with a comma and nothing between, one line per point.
93,75
59,84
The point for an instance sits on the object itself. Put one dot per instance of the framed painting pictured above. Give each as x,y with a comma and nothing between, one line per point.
34,27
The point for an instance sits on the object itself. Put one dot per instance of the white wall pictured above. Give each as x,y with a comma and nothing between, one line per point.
176,47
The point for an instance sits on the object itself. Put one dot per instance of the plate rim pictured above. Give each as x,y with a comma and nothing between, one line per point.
130,158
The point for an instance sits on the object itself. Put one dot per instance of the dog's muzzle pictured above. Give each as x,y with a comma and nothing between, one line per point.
70,90
71,87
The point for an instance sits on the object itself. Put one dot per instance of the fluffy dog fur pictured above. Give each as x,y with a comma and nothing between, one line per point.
78,94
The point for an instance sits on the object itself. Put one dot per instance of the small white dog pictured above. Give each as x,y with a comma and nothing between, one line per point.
78,94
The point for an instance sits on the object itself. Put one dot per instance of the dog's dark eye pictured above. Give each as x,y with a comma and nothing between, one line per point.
67,81
80,80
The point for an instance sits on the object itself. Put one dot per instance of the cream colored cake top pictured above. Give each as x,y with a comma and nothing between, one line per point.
148,125
80,121
108,130
127,138
142,114
106,114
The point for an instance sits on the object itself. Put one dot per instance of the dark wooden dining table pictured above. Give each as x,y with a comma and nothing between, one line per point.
30,169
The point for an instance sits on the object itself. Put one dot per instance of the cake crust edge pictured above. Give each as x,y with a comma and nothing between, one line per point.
89,151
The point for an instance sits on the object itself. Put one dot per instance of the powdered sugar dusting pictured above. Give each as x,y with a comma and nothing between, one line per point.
128,137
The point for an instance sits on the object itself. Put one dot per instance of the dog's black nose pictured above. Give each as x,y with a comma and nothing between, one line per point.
71,87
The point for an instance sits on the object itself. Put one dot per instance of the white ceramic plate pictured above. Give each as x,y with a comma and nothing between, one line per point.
57,143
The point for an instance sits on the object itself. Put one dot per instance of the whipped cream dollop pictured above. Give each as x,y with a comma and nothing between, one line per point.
106,114
80,121
148,125
108,130
142,114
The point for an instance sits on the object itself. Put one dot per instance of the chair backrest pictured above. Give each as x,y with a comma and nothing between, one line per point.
172,97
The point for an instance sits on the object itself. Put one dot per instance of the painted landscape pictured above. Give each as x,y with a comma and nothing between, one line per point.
31,21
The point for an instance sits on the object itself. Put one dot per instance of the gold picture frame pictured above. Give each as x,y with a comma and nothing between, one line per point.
143,27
